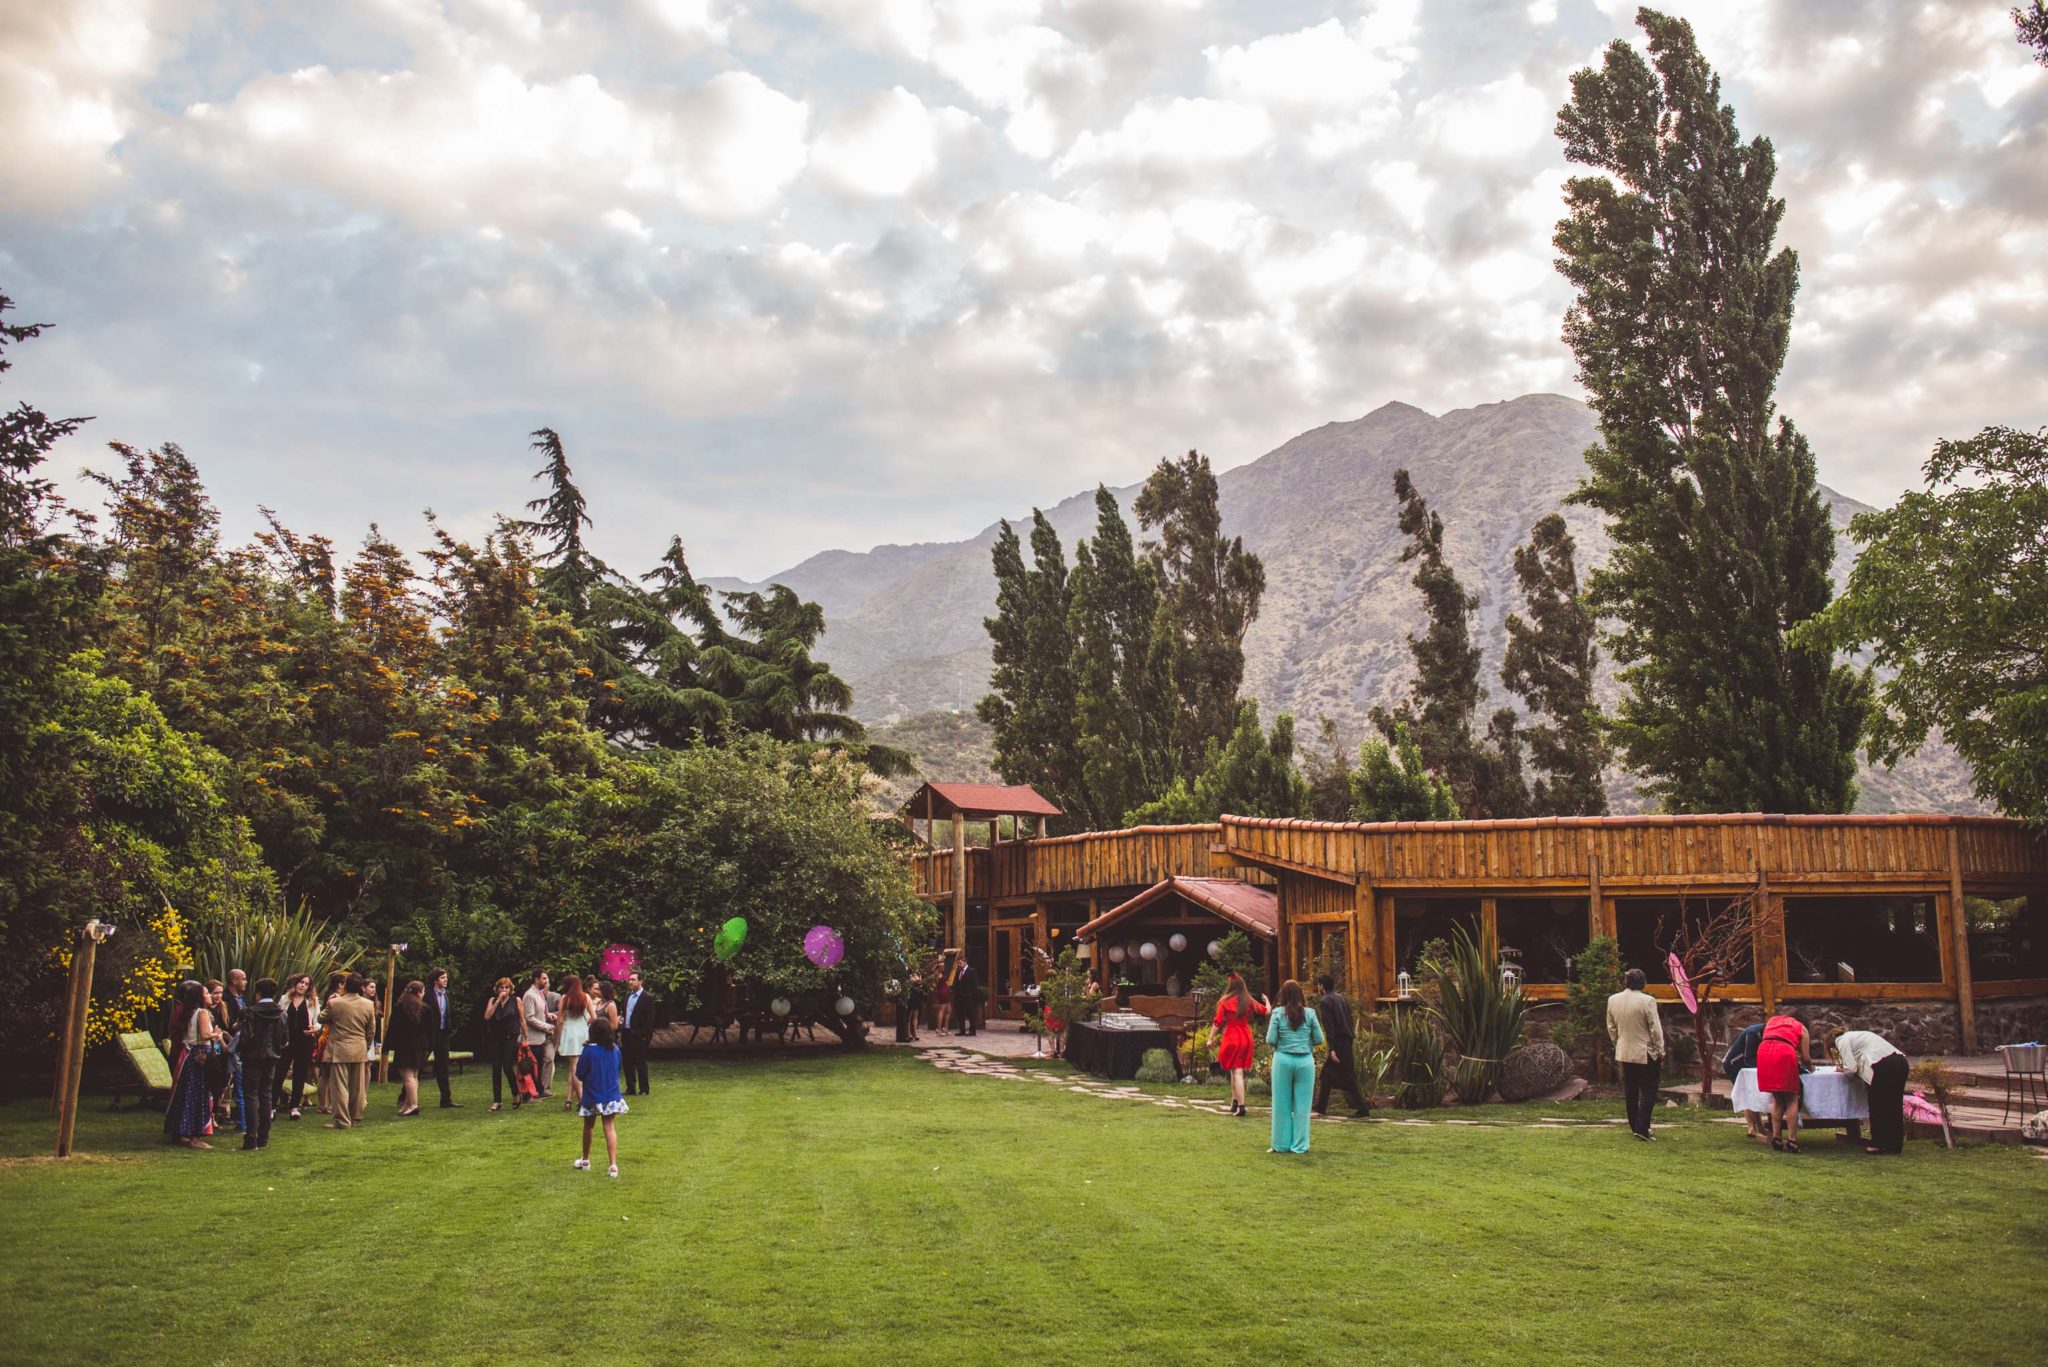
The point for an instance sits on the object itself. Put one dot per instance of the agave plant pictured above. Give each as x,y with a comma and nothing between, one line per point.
1481,1014
1417,1061
275,946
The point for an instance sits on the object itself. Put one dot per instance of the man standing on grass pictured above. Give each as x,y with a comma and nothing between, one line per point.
263,1044
1638,1037
1343,1039
638,1017
539,1024
345,1063
441,1016
547,1058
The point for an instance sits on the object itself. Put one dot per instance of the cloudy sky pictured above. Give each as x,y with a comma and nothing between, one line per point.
791,274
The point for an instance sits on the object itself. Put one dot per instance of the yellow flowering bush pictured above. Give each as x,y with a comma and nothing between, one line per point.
148,958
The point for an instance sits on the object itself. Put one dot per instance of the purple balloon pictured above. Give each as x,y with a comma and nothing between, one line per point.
823,946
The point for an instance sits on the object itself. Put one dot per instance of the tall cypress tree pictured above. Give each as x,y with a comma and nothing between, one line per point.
1549,662
1031,705
1485,776
568,571
1211,586
1123,670
1722,543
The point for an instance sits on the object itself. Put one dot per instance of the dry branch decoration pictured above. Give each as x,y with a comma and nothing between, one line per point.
1719,949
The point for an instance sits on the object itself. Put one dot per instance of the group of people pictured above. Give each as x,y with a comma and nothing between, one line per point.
954,996
242,1054
1780,1049
1295,1030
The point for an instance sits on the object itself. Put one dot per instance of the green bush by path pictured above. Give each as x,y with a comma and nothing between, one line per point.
869,1208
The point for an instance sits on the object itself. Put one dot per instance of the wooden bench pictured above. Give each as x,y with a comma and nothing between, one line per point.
151,1069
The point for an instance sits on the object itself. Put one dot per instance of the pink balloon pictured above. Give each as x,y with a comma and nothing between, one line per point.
823,946
618,962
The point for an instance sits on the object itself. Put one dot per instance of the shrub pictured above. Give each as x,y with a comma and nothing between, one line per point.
1567,1036
1596,976
1482,1016
1418,1062
1157,1066
1533,1070
1683,1048
1234,955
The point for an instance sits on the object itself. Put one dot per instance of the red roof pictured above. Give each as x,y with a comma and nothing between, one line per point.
980,799
1242,904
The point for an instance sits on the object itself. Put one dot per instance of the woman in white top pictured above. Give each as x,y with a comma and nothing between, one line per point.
1871,1057
572,1032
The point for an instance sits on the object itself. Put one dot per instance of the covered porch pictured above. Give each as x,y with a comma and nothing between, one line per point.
1157,939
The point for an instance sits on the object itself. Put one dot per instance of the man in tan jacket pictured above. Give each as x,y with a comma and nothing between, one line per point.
350,1021
1638,1038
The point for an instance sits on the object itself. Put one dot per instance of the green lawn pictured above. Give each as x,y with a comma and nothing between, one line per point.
871,1209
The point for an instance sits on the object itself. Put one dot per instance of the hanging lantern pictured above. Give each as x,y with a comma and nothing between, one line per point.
1404,986
844,1006
1148,951
1116,954
780,1006
1176,942
1215,949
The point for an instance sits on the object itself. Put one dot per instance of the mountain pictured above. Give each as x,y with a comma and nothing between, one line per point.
905,622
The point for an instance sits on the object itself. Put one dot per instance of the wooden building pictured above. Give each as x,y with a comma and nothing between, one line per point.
1946,911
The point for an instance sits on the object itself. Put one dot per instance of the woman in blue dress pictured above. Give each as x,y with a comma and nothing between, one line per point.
189,1118
1294,1032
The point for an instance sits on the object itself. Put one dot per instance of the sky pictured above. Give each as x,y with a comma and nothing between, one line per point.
798,274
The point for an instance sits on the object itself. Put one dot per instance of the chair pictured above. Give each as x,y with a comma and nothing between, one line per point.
151,1069
2026,1075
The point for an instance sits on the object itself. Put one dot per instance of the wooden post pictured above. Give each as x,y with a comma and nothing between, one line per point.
1767,948
1959,915
957,932
1365,941
73,1062
384,1012
62,1076
1596,915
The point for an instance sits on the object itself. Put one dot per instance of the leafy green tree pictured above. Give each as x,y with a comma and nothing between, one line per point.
1722,542
1391,783
1210,586
1484,774
2032,21
1252,775
1123,666
1951,595
1549,663
1032,706
1327,771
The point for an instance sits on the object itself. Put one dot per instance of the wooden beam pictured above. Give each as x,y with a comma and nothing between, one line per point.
1966,997
1596,913
1365,940
73,1063
957,932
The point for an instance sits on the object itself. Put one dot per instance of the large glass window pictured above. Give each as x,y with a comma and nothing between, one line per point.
1644,926
1541,935
1322,947
1418,920
1862,939
2008,936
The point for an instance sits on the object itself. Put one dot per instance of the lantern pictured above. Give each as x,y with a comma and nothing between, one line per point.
1148,951
1215,949
780,1006
844,1006
1116,954
1404,986
1509,978
1177,942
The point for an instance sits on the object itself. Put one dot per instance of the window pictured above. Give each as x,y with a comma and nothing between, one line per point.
1541,935
1869,939
1643,924
1418,920
1321,947
2008,937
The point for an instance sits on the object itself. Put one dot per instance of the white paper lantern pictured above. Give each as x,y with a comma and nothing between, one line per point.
1148,951
1116,954
1215,949
894,987
780,1006
844,1006
1177,942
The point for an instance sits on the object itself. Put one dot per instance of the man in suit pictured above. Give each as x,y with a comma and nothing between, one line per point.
234,1004
1638,1037
547,1058
538,1022
441,1019
639,1016
345,1063
263,1045
1342,1035
966,998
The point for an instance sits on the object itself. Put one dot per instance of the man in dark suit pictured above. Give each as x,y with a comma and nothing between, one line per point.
639,1018
966,998
441,1020
1342,1034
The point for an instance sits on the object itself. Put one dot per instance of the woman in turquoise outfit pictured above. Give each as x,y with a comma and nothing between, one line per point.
1294,1032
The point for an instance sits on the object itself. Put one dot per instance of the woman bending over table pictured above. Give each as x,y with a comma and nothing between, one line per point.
1785,1051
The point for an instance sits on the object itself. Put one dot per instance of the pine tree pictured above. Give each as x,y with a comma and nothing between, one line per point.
1327,771
1252,775
1123,676
1031,705
2031,20
1391,783
1549,663
1722,543
1211,586
1485,775
568,571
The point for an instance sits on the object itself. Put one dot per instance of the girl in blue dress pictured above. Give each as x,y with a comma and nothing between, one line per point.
1294,1032
597,1071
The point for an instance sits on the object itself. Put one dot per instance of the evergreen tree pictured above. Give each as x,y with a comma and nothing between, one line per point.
1252,775
1486,775
1123,674
567,570
1327,771
1031,705
1391,783
1549,663
2032,21
1211,587
1722,543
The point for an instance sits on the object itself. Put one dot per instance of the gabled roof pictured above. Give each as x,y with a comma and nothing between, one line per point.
1242,904
979,800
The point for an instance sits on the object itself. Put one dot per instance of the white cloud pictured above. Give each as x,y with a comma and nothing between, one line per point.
888,147
70,78
1500,119
1175,133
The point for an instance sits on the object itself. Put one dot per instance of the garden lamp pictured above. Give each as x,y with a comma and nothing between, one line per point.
1404,986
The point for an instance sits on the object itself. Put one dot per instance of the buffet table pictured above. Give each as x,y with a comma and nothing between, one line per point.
1113,1053
1825,1094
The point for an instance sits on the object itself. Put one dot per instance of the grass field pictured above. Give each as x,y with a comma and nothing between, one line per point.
871,1209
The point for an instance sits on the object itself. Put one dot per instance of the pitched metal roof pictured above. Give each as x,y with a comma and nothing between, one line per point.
1244,905
979,799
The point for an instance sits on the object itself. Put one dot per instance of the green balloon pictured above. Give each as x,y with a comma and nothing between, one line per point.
731,936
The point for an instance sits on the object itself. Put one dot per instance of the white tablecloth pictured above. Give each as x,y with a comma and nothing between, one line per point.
1824,1094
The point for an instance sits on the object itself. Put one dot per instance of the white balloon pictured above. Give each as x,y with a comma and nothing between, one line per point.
780,1006
1148,951
1116,954
1215,949
844,1006
1177,942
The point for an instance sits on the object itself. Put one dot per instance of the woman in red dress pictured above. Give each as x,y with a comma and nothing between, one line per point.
1784,1047
1234,1052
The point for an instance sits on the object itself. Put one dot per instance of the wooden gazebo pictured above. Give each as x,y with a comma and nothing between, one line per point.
960,803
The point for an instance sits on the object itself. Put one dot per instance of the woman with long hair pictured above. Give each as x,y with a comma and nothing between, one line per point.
942,1000
502,1032
189,1118
301,1028
572,1032
1236,1047
606,1006
408,1042
1294,1032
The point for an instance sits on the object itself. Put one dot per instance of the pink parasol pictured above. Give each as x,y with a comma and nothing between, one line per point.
618,962
1918,1107
1684,985
823,946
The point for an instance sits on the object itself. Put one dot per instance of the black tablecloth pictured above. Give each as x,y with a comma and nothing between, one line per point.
1113,1053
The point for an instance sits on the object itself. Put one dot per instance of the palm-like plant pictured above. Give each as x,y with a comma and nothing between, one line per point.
1481,1014
273,946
